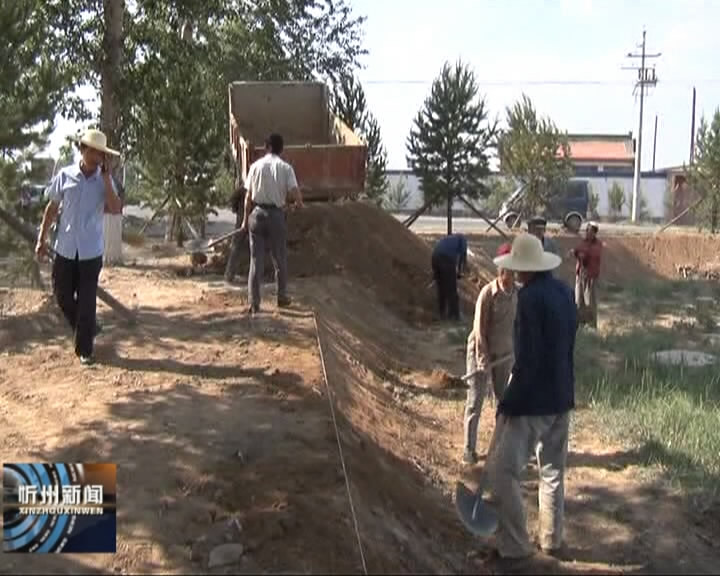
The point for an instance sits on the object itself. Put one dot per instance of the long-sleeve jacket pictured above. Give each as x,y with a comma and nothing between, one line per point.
543,378
493,322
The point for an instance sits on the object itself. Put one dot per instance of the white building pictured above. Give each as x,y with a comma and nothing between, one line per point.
604,161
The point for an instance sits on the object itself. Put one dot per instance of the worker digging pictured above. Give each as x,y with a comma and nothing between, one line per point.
449,261
83,191
489,341
270,181
588,255
237,203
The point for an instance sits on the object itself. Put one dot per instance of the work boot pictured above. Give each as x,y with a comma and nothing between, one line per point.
283,302
87,360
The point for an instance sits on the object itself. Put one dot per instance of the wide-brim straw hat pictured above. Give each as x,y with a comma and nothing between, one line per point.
527,255
98,141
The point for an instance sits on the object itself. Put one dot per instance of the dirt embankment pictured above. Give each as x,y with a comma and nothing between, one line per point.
626,258
368,246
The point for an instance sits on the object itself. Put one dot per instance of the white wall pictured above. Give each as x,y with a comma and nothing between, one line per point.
412,183
653,188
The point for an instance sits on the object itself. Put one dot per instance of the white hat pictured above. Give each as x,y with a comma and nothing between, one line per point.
593,224
97,140
527,255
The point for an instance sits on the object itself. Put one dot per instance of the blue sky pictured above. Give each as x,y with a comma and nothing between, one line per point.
515,44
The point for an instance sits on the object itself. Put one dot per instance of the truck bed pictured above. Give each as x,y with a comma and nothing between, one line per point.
328,157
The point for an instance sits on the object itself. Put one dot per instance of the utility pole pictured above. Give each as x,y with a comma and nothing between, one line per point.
692,130
655,143
646,77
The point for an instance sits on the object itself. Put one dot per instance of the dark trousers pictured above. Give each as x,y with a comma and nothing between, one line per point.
75,285
233,262
445,274
267,226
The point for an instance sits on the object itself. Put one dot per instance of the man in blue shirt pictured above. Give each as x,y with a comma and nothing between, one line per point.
449,260
534,413
83,191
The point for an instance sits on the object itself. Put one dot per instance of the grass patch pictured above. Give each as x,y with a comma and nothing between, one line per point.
671,413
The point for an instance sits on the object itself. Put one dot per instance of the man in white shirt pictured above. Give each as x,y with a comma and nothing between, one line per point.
269,182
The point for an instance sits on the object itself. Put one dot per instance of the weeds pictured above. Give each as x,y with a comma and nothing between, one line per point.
671,413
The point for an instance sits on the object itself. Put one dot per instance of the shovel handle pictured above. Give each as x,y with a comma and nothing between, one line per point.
225,237
497,362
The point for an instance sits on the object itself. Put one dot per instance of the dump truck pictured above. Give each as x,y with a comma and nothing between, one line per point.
328,157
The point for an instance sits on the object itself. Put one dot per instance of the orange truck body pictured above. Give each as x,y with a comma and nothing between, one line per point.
328,157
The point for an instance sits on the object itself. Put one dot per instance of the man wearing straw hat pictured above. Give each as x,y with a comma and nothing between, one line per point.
84,191
535,408
489,349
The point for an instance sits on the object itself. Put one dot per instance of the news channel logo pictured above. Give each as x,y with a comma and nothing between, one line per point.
51,508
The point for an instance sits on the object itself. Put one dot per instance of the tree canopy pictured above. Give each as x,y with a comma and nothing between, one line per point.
351,107
161,70
535,152
450,143
705,171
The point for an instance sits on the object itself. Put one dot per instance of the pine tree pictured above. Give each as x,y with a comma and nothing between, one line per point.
450,142
705,172
351,107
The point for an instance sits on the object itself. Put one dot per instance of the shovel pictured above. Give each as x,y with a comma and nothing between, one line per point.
475,514
203,245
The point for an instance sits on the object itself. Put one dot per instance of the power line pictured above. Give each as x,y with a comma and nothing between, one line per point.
678,82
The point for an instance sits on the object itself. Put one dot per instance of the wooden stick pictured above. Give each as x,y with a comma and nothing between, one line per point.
154,215
478,213
691,207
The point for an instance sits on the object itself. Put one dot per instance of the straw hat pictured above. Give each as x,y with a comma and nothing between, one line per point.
527,255
98,141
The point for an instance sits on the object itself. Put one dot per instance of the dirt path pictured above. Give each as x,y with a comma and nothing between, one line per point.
212,417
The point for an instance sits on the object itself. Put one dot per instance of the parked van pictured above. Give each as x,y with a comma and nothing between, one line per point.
568,206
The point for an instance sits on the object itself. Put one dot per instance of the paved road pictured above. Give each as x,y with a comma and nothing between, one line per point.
225,221
438,225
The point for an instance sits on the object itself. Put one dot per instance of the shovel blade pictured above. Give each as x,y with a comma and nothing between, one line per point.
475,514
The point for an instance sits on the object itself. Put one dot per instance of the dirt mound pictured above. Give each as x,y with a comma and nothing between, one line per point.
370,246
625,257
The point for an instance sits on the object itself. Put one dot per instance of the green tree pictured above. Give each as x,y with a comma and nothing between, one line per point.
705,172
593,202
33,83
449,145
501,188
398,196
616,199
534,151
350,105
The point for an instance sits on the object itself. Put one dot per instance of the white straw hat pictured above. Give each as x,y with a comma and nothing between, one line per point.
97,140
527,255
